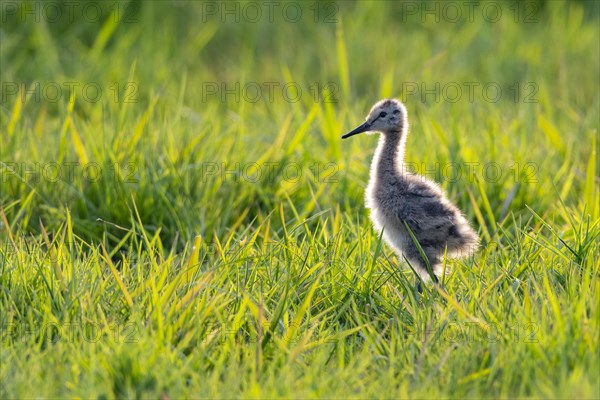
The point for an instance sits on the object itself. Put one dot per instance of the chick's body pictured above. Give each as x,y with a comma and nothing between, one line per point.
400,200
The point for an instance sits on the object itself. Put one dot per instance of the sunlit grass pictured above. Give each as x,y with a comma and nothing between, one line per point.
165,241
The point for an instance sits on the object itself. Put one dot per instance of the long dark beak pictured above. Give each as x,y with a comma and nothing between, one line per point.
359,129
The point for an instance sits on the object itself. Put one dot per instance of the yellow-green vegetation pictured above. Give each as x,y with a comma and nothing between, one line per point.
179,217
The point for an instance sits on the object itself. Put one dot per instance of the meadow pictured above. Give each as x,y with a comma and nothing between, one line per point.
180,218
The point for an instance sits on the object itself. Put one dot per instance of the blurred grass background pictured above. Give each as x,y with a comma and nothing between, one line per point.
146,236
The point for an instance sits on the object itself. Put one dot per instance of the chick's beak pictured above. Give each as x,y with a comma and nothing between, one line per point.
359,129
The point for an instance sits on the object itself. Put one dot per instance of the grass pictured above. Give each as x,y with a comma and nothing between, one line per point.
167,238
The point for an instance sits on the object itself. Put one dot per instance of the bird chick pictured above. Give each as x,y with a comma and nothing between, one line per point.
407,207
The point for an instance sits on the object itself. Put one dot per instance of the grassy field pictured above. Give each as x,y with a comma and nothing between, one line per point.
179,217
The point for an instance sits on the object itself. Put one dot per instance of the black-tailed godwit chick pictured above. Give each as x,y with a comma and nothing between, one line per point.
401,201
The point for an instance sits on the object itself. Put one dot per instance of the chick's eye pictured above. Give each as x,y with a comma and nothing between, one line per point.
383,114
396,111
